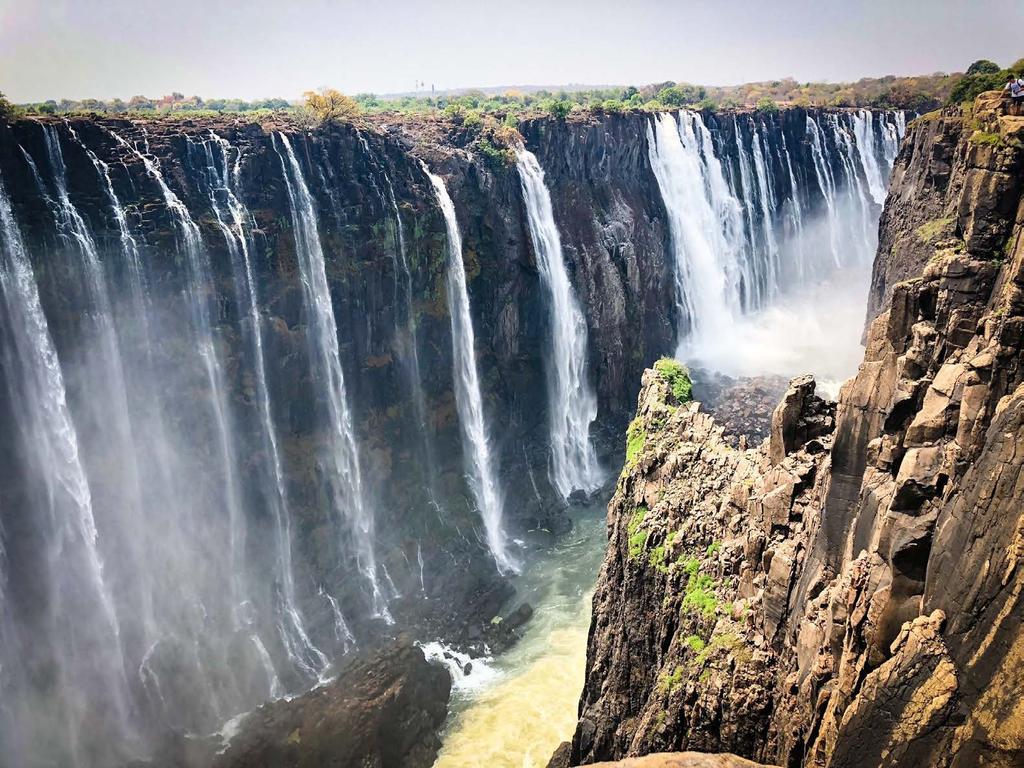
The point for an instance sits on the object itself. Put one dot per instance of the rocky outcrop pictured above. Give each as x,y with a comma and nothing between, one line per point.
240,556
685,760
385,710
848,593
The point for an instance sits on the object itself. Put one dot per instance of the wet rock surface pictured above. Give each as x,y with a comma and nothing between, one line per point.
848,594
385,710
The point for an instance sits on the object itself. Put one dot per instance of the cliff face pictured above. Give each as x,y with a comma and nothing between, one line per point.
847,594
199,446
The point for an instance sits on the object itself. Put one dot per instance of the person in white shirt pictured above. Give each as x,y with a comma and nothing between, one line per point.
1015,90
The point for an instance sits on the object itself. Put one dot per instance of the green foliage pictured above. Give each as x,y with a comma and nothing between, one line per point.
496,141
727,641
636,437
985,138
983,75
667,682
497,157
767,104
690,564
7,110
700,595
681,95
473,121
983,67
713,548
694,643
558,108
678,378
931,230
455,112
657,559
637,537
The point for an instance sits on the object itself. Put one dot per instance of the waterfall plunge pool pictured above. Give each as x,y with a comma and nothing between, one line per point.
515,709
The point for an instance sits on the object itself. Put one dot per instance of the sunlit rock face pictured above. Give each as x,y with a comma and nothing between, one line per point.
231,447
847,593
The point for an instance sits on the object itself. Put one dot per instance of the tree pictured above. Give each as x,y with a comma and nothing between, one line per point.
558,108
983,67
679,95
7,110
767,104
330,105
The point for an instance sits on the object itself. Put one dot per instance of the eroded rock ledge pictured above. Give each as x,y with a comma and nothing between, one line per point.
848,593
384,709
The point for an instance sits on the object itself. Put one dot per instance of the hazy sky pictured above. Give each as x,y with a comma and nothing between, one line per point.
260,48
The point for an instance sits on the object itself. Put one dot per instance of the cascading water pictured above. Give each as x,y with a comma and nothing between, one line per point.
827,185
341,461
185,527
234,221
475,438
771,250
572,406
705,256
199,276
864,131
80,619
766,196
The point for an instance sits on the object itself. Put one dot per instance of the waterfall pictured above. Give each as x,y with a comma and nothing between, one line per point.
198,279
796,214
891,136
234,221
857,193
483,480
826,184
342,460
705,256
753,287
766,197
864,131
572,406
85,628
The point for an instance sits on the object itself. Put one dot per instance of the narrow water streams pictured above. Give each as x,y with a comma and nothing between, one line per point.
518,709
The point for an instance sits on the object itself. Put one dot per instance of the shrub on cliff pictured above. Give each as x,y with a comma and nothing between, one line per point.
7,110
558,108
677,377
330,105
681,95
767,104
983,75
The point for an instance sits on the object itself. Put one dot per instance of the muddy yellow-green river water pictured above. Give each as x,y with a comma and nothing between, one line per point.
514,710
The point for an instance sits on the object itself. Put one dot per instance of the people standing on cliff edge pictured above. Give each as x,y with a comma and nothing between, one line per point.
1015,88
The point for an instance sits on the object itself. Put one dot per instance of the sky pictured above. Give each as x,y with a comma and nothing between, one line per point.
53,49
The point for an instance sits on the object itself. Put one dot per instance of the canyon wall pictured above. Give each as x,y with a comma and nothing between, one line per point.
847,593
231,450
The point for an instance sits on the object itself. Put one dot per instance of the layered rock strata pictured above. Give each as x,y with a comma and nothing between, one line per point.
848,593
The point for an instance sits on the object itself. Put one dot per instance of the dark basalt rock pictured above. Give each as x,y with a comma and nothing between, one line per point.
382,710
848,595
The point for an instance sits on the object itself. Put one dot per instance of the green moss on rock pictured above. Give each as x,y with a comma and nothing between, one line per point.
678,378
637,537
636,438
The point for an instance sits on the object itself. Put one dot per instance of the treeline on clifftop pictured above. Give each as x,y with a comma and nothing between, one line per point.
919,94
983,75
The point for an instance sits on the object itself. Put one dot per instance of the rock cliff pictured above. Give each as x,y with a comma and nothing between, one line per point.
849,592
250,491
383,710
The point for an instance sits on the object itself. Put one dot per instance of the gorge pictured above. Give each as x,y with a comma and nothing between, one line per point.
277,395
